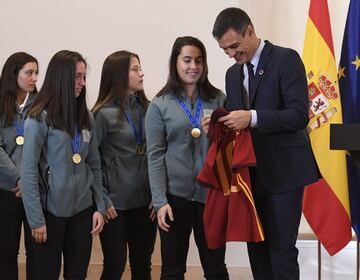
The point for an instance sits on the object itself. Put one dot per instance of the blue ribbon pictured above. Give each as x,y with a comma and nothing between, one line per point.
137,132
194,121
75,142
19,129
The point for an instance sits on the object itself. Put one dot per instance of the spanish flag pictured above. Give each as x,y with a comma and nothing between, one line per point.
326,203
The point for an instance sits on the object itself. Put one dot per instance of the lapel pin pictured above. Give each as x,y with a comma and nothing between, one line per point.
261,72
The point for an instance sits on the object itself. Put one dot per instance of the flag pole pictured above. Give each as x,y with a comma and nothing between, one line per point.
319,260
357,259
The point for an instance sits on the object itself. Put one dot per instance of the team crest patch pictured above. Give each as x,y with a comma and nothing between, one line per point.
86,135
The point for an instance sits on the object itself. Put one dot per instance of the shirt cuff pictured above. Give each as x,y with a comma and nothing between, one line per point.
253,122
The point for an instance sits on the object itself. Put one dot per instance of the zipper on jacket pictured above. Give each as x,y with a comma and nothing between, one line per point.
76,188
140,158
194,161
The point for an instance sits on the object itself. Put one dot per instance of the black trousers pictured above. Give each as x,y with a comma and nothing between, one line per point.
132,229
70,237
188,216
12,216
276,257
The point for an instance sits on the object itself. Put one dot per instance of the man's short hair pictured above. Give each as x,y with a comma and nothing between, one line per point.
230,18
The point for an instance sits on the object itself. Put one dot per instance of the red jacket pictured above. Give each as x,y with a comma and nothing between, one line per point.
230,213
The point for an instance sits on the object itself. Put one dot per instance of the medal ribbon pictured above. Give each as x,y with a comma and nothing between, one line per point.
19,129
137,132
75,142
194,121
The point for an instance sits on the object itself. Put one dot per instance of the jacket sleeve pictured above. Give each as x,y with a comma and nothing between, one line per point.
36,135
156,150
293,113
101,129
9,174
101,126
93,160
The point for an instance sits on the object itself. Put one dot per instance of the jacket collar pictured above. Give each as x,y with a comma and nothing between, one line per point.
261,68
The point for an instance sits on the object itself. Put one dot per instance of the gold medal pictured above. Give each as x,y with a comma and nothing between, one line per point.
19,140
195,132
76,158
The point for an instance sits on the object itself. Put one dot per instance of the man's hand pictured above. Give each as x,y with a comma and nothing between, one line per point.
237,120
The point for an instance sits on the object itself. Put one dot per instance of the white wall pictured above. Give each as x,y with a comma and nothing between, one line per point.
97,29
149,28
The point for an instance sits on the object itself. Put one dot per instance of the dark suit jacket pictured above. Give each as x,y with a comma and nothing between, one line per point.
284,157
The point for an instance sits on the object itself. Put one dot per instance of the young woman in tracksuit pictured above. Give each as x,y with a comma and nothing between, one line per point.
177,149
119,120
17,91
61,171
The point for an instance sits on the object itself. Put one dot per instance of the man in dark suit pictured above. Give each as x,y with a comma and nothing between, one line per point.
267,91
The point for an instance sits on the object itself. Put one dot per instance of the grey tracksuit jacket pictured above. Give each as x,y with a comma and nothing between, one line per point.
175,158
10,152
49,178
125,173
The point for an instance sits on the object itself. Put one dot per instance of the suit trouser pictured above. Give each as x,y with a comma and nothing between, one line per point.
131,229
12,215
276,257
70,237
188,215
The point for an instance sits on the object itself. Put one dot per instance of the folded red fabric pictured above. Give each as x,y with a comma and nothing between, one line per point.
230,213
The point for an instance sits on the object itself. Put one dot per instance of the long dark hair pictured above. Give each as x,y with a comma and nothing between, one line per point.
57,95
8,84
174,82
115,82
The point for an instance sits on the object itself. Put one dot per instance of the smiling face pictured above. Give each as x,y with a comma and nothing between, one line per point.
80,77
240,46
190,65
27,77
136,76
